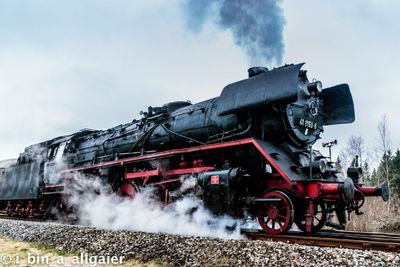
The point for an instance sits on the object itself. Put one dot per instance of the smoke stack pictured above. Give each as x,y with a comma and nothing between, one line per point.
256,71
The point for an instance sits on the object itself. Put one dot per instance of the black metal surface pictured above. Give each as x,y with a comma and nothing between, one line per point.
21,182
180,124
294,162
354,173
384,191
275,86
338,103
299,122
347,188
187,126
217,196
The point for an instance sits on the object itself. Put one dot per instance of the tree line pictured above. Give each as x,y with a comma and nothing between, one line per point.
378,165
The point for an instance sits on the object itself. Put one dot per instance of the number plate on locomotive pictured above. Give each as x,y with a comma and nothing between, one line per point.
308,124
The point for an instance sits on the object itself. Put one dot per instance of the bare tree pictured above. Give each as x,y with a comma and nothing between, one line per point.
338,165
385,148
355,148
384,144
355,153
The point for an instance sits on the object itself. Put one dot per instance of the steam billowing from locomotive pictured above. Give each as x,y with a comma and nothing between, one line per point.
248,152
96,206
256,26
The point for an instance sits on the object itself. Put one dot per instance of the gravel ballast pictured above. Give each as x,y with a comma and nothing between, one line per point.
186,250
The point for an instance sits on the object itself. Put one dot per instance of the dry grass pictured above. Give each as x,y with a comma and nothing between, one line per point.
378,216
20,251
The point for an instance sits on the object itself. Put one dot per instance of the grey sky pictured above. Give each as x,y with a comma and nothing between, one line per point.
67,65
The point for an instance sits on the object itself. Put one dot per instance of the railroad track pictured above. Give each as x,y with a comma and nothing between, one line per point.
335,238
34,219
344,239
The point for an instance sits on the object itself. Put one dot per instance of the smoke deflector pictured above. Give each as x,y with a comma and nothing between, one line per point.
338,105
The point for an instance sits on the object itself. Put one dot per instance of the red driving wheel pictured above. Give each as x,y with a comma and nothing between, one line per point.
275,217
128,189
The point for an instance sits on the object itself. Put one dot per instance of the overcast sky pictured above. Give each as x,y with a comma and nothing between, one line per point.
67,65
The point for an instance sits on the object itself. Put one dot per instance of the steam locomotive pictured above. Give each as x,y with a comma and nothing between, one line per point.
249,152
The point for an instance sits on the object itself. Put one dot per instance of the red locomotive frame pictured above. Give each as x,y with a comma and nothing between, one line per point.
310,190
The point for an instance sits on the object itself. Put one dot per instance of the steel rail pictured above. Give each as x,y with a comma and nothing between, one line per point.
343,239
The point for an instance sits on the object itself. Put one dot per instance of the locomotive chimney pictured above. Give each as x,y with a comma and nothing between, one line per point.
256,70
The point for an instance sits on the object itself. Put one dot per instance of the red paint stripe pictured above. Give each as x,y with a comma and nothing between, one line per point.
166,181
188,150
164,154
370,191
134,175
188,170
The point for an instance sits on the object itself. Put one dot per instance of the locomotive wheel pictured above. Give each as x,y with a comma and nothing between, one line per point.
129,189
319,219
276,217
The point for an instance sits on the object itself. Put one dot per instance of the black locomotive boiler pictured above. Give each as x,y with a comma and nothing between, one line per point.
248,150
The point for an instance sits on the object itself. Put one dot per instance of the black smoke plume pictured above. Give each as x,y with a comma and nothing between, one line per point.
256,25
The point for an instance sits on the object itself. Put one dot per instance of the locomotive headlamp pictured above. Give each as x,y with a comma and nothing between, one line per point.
322,165
314,87
318,166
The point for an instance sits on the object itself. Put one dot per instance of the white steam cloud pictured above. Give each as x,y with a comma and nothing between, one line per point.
97,206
